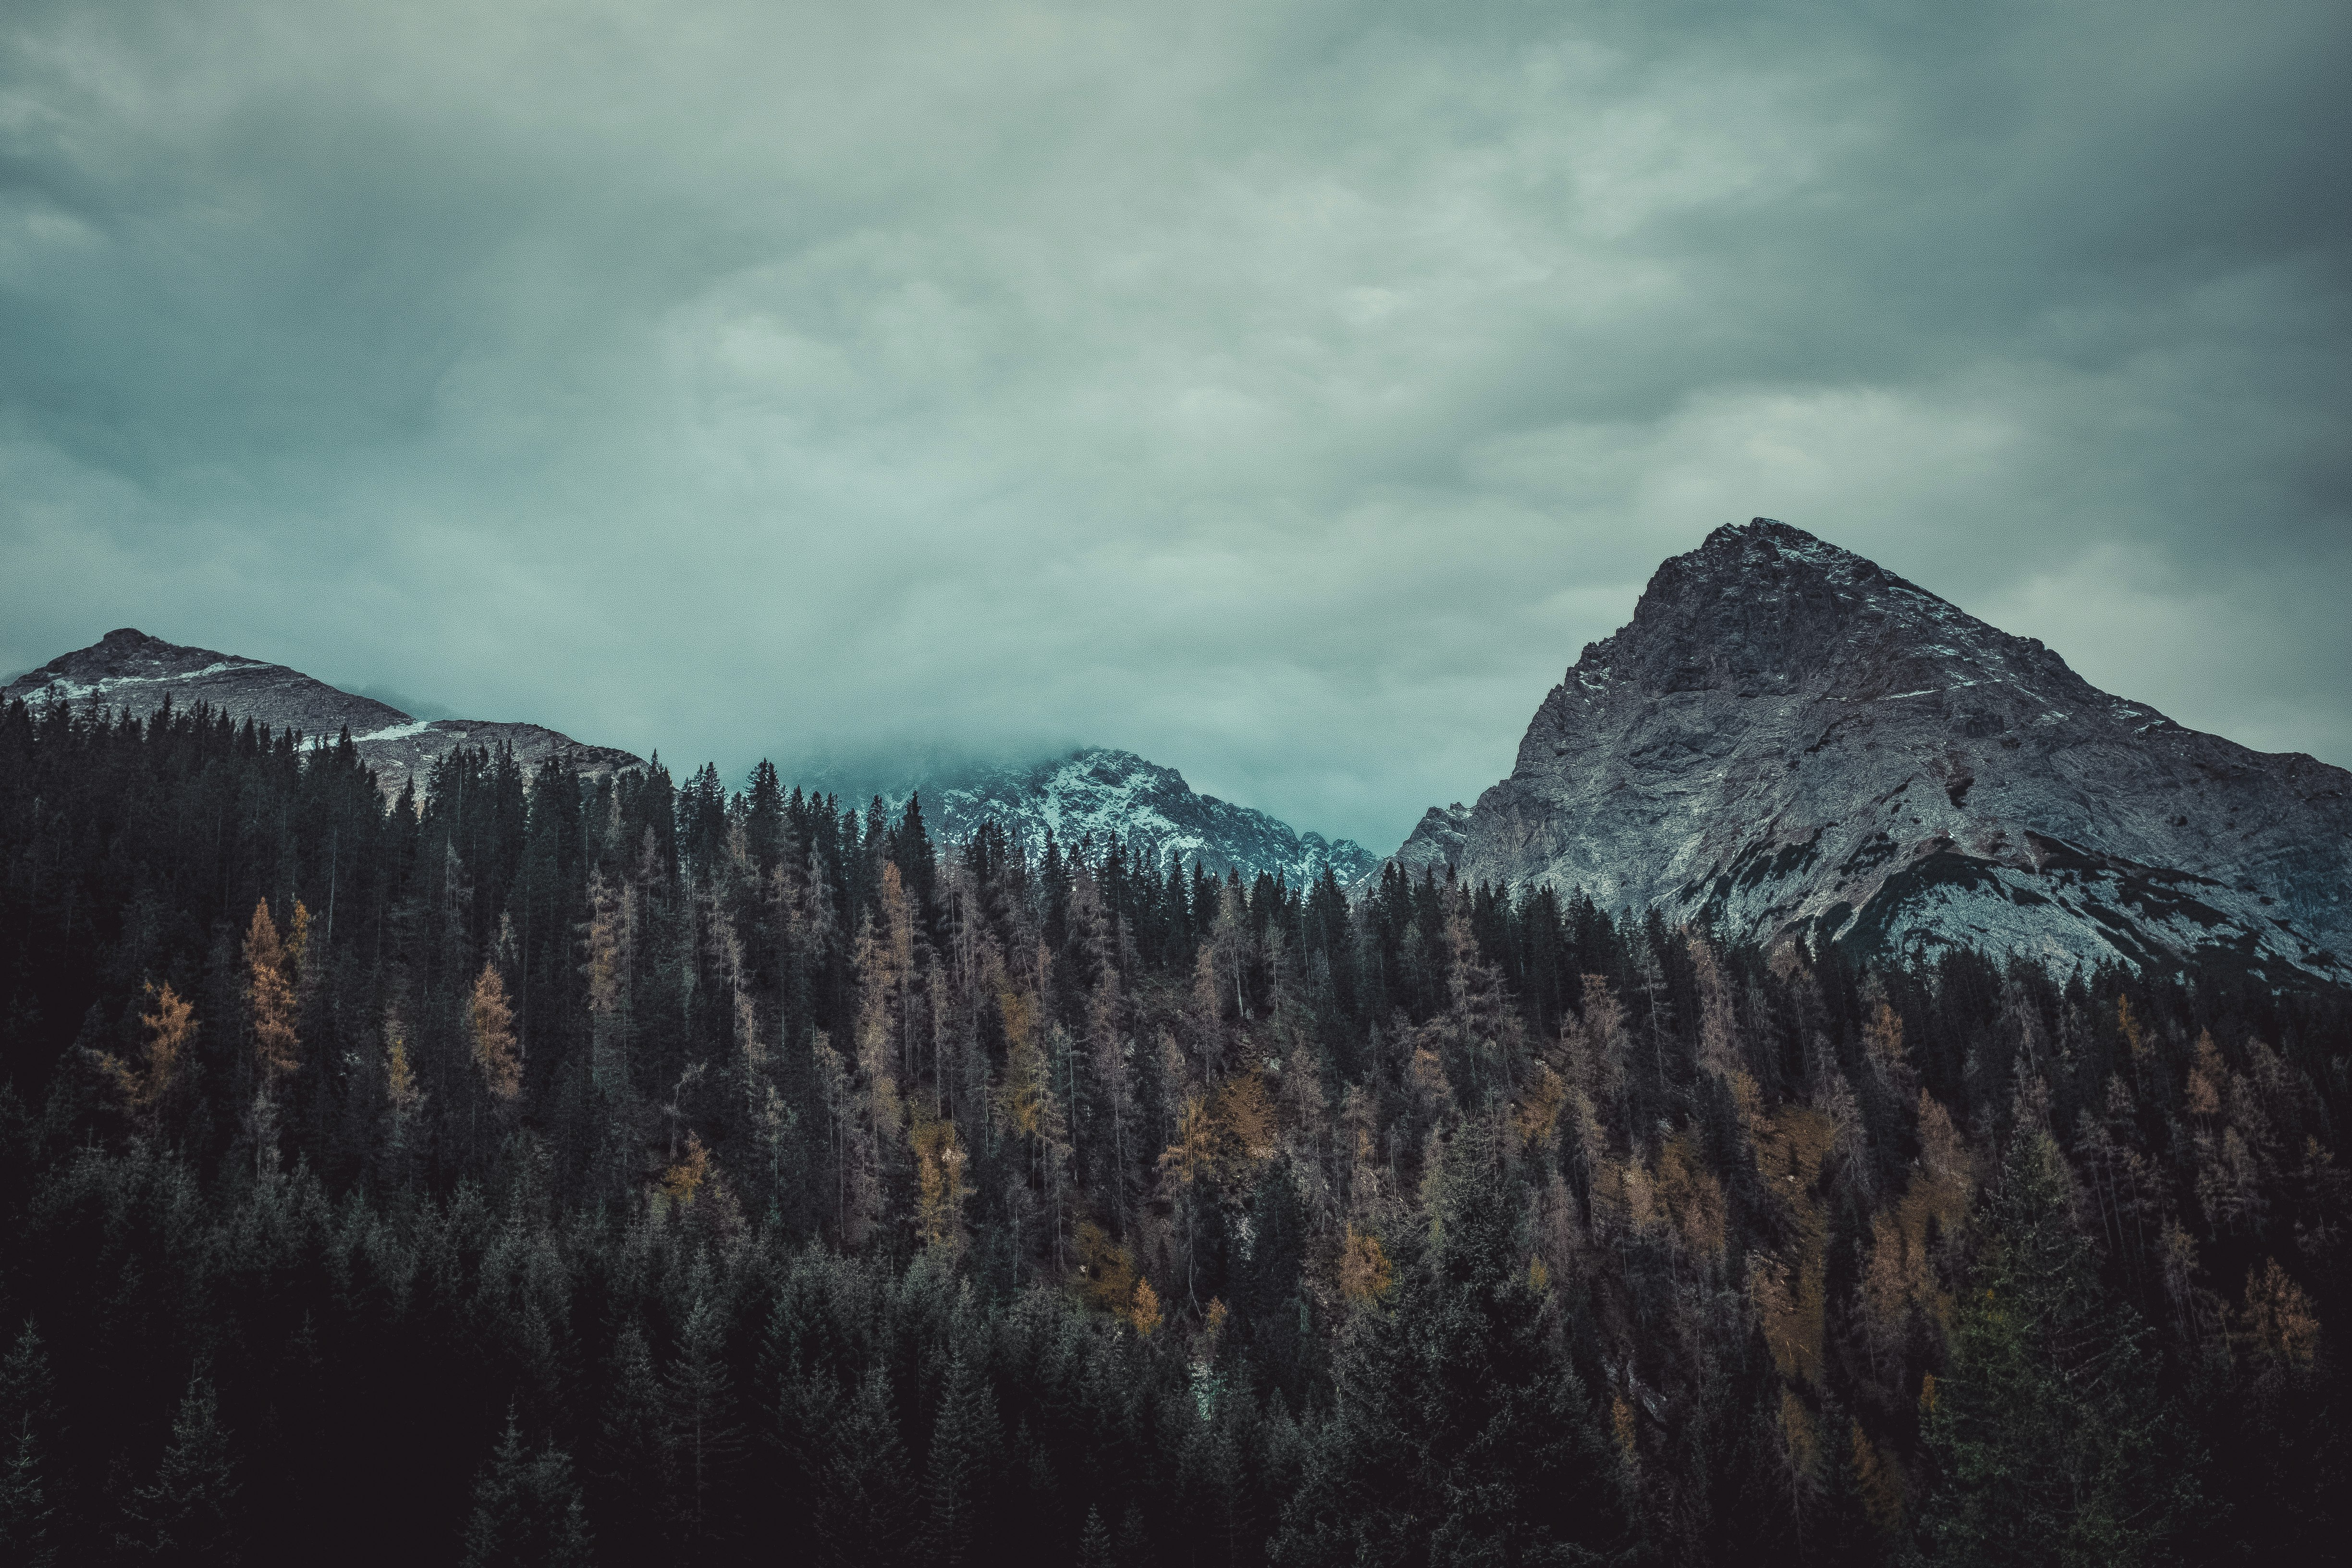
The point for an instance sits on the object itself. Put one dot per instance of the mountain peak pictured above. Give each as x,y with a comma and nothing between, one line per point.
1762,608
1100,792
1788,739
131,672
1768,533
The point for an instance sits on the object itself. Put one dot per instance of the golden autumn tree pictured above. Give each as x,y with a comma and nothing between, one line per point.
1144,1313
1106,1276
169,1028
298,971
1878,1479
271,968
1024,1097
941,1187
878,1129
1220,1139
490,1021
1537,1115
1365,1272
683,1178
1025,1104
1790,1287
1690,1197
2278,1326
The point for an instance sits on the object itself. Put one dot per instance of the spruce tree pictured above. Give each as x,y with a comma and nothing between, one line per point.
2047,1437
1459,1434
633,1458
863,1517
965,1458
27,1519
527,1510
1094,1541
703,1434
187,1514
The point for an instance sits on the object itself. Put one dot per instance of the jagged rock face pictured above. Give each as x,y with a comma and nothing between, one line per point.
1795,741
1437,841
129,671
1096,793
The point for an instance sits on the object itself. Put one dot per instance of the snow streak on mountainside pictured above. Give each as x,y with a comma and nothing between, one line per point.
1095,793
129,671
1791,741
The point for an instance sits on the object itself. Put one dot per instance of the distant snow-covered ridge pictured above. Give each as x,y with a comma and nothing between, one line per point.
1091,793
1097,792
129,671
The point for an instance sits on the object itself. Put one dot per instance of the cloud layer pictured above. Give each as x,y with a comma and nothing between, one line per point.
1286,392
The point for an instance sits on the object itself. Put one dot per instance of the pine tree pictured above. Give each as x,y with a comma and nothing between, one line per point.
188,1512
1266,1288
1094,1541
965,1455
527,1510
1458,1434
2046,1438
863,1517
28,1388
1134,1548
28,1521
633,1461
703,1436
27,1517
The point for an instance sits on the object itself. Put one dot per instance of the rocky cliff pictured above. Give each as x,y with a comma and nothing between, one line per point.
1794,742
129,671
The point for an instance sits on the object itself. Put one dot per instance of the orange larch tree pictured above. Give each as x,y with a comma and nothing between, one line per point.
271,968
492,1025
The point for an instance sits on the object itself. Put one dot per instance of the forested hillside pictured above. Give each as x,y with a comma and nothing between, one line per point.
624,1172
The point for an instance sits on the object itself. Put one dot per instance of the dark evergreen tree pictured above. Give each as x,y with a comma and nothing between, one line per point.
867,1505
28,1519
1094,1541
705,1440
634,1465
187,1513
1459,1434
2048,1433
527,1510
962,1472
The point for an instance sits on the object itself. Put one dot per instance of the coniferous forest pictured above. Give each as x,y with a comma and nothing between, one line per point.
564,1171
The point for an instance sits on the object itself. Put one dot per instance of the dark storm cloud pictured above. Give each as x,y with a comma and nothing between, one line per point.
1284,392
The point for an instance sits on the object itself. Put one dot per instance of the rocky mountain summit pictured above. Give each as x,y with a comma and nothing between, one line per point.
1791,741
1440,839
1096,792
129,671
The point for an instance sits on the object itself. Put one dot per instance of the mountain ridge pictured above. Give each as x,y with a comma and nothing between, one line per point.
129,671
1094,791
1089,791
1789,741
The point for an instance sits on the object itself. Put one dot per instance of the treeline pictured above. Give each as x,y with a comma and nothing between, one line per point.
564,1170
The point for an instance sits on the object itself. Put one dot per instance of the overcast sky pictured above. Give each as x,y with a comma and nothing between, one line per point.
1283,391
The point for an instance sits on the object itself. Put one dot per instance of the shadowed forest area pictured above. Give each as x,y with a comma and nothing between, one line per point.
563,1172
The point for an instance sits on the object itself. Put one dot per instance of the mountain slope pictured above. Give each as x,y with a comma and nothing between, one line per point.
1790,740
129,671
1099,792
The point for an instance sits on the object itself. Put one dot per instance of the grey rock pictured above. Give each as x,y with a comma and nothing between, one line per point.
1792,741
129,671
1436,842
